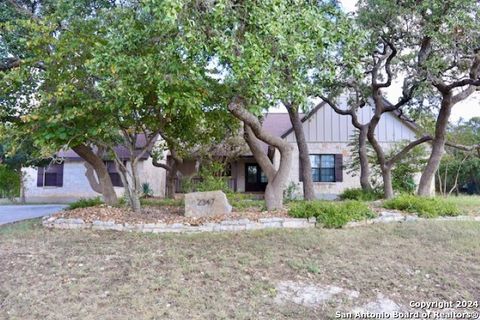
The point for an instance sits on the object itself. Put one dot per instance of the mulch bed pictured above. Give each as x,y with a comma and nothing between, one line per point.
164,214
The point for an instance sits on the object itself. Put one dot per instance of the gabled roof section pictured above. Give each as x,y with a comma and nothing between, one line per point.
398,113
121,151
277,123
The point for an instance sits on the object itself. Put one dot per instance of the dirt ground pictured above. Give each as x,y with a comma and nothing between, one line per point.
163,214
70,274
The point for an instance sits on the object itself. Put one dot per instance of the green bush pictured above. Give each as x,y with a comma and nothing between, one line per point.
242,201
212,183
290,192
85,203
331,214
425,207
360,195
9,183
211,179
147,191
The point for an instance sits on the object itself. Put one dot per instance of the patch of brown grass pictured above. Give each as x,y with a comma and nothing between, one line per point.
56,274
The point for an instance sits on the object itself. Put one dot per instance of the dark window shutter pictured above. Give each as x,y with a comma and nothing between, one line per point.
59,171
300,169
339,168
40,173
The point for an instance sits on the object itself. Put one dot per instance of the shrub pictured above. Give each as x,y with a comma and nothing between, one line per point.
331,214
9,183
357,211
212,183
85,203
360,195
146,190
425,207
290,191
242,201
212,178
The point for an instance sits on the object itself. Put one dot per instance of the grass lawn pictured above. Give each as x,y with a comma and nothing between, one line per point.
467,204
56,274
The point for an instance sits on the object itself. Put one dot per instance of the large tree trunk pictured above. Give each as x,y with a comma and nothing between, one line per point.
135,188
438,147
23,200
277,179
386,171
171,181
387,182
107,190
171,169
273,200
363,156
304,156
253,133
130,186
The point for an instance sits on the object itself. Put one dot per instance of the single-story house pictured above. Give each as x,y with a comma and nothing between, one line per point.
64,179
327,133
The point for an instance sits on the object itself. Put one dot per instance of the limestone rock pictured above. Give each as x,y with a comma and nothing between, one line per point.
202,204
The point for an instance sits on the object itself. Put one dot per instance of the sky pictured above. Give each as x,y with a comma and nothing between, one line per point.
466,109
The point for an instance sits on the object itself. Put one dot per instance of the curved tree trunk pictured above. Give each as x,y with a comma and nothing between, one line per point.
272,199
253,133
304,156
386,170
171,173
438,147
171,179
104,181
277,179
363,156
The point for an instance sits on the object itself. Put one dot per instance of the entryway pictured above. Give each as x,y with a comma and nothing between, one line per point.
255,178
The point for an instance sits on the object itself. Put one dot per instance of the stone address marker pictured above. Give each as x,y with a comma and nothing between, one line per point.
203,204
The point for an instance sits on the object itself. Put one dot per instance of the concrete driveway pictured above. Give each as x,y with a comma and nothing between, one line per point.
13,213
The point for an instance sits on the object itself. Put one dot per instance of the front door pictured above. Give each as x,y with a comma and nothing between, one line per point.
255,179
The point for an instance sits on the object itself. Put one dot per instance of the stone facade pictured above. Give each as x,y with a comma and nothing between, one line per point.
76,186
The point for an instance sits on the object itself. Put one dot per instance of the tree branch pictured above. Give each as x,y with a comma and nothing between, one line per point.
406,149
21,9
258,152
351,112
388,67
9,63
159,164
236,107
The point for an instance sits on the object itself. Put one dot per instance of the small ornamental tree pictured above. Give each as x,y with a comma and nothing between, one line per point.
153,83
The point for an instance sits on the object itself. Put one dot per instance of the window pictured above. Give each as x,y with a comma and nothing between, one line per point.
50,176
323,167
113,173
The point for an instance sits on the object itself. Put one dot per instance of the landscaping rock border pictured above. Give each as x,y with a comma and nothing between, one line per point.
223,226
390,216
232,225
